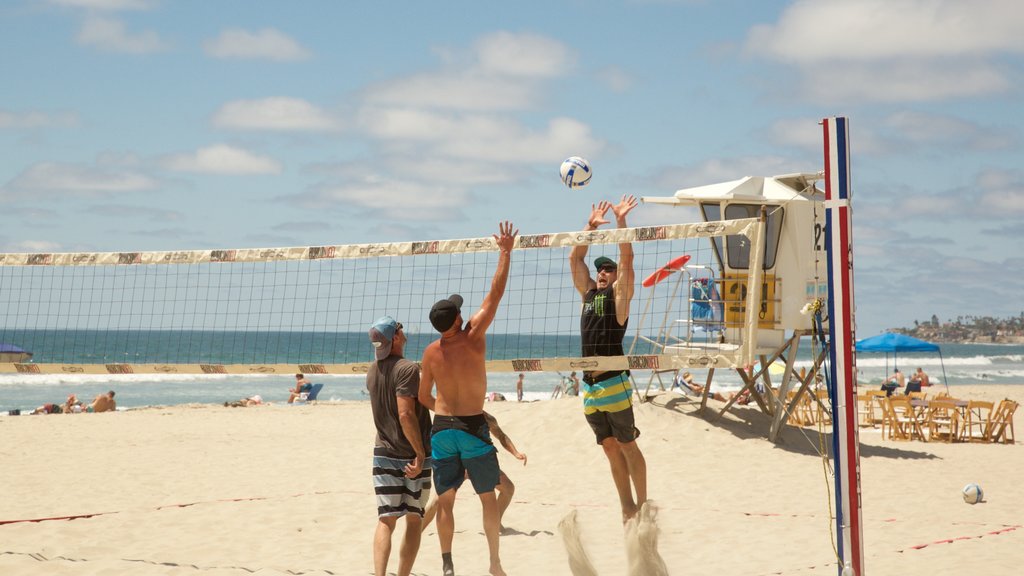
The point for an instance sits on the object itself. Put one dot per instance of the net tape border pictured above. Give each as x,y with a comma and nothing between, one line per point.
352,251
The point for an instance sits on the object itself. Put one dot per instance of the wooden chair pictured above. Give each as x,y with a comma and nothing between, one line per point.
917,395
796,413
892,422
977,422
867,414
865,409
1001,428
943,420
803,412
908,418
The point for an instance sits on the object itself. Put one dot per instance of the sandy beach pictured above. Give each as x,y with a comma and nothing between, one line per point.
286,490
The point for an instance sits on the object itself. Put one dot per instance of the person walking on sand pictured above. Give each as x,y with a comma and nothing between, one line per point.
460,439
607,394
519,388
401,468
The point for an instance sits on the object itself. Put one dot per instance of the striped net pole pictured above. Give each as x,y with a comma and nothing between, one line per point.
842,355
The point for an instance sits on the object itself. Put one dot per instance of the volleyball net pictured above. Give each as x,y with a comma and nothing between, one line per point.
308,309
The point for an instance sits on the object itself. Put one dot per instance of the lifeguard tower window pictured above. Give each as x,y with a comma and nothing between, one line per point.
738,247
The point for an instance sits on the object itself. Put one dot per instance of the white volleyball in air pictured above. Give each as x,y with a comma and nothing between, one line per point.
973,494
575,172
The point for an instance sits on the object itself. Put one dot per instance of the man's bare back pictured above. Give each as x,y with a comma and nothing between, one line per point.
456,363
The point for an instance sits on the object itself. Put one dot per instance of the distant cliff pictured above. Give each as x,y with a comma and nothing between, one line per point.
969,329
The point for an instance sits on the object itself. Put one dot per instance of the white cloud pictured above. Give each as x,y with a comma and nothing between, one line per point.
502,72
278,114
127,212
52,178
1006,203
901,81
222,159
387,197
480,136
615,78
878,30
36,119
111,35
523,55
945,130
33,246
458,91
266,44
111,5
894,50
463,127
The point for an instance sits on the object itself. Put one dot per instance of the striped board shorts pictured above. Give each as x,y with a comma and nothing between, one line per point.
611,395
396,494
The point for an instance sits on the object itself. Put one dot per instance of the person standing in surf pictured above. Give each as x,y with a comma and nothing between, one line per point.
608,395
460,438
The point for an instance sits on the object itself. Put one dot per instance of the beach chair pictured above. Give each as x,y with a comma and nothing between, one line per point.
891,422
943,420
906,418
866,408
308,397
977,421
1001,429
803,412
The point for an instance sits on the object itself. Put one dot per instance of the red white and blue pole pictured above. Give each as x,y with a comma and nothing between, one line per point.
842,352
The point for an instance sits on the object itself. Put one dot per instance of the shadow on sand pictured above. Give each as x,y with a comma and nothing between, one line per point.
749,423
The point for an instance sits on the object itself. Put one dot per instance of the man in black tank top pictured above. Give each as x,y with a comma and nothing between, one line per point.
607,394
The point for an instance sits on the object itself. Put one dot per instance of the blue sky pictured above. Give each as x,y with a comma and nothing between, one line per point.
157,125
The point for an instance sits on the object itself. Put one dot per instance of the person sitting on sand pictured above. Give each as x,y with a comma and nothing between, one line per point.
918,380
692,388
893,383
302,386
505,488
103,403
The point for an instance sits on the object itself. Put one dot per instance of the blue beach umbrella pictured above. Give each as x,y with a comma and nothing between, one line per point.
12,353
895,342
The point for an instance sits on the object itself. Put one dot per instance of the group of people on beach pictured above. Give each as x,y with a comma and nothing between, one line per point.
101,403
897,380
412,450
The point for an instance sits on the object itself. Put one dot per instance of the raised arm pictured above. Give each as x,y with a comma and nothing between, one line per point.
624,284
483,317
581,278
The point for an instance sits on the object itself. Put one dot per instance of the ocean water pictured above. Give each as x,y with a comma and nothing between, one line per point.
959,364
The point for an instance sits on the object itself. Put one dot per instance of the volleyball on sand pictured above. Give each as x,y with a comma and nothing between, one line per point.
973,494
575,172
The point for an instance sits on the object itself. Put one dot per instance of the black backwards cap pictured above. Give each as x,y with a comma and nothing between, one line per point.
444,312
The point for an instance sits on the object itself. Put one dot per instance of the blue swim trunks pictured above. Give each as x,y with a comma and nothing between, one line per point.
461,444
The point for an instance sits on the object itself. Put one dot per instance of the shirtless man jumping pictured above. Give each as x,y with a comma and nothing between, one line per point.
460,439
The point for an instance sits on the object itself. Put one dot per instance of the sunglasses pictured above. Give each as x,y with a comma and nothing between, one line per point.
398,327
607,269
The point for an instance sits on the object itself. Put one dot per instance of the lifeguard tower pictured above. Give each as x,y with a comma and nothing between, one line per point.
790,278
